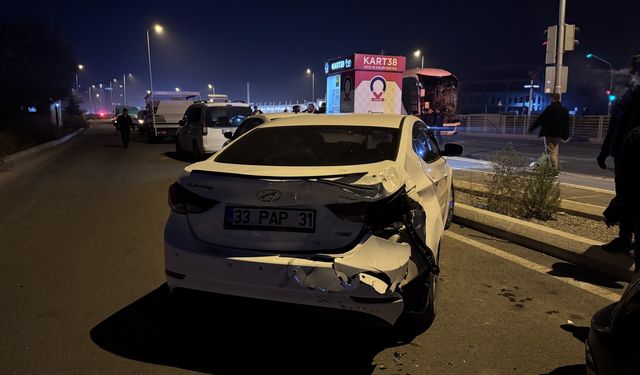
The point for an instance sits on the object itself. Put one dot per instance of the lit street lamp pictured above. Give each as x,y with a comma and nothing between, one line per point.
313,84
419,54
90,100
609,92
80,67
158,29
124,86
213,91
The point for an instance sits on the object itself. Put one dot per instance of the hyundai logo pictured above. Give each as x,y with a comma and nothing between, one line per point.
268,195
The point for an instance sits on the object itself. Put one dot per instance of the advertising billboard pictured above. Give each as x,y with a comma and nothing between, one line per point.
333,93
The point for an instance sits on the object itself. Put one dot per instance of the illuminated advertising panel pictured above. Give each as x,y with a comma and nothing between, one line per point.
333,93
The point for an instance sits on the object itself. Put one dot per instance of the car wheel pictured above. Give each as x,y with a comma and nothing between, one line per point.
452,203
420,301
197,155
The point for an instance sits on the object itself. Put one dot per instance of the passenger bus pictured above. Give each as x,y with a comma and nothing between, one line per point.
424,88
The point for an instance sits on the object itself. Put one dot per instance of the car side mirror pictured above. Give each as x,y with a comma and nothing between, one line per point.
228,135
181,122
452,149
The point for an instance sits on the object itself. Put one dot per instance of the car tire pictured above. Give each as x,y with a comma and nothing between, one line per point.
197,155
179,150
452,204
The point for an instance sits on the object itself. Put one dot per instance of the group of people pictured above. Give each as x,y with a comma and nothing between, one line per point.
622,143
311,108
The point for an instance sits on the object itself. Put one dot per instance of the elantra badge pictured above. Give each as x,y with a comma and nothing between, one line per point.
268,195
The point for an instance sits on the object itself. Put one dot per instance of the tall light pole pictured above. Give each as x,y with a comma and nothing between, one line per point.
80,67
158,29
124,87
213,90
111,90
419,54
313,85
610,92
93,110
560,47
178,91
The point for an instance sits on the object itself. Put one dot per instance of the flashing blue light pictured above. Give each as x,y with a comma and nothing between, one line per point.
612,98
589,55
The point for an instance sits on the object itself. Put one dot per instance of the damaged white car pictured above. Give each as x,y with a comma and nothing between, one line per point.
336,211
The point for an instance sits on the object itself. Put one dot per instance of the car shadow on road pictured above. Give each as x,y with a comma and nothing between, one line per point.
179,157
563,269
569,370
243,337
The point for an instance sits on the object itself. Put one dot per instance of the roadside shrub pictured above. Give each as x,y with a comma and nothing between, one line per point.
505,188
541,194
74,122
517,191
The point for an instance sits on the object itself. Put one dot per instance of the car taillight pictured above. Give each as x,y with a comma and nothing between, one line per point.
183,201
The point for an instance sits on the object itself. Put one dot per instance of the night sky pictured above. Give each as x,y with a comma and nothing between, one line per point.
271,43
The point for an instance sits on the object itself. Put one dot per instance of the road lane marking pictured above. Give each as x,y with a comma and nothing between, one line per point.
602,292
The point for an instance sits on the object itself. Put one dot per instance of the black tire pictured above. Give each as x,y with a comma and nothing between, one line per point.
420,299
452,204
179,150
197,155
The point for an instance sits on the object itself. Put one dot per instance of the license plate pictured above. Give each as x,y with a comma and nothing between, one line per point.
254,218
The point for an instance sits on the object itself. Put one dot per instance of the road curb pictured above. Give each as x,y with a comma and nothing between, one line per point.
565,246
16,157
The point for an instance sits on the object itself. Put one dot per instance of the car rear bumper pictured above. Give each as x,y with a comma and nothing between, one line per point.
345,283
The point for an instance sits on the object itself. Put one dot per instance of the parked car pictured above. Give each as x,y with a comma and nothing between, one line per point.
614,339
253,122
117,111
202,128
337,211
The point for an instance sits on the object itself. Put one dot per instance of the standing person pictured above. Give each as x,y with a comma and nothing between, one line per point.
554,126
256,110
628,178
310,108
428,117
296,108
124,124
625,117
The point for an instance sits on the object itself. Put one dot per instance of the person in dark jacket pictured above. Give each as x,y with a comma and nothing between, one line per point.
628,177
625,117
124,125
554,126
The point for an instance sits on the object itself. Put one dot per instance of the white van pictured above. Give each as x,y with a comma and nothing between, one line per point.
168,113
203,127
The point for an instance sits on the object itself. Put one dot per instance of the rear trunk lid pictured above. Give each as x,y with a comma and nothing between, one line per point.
301,210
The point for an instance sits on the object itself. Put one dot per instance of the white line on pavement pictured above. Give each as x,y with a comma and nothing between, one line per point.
604,293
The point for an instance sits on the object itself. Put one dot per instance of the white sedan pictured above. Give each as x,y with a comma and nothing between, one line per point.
336,211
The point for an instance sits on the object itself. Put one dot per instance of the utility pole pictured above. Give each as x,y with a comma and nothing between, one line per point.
248,93
124,88
90,101
560,47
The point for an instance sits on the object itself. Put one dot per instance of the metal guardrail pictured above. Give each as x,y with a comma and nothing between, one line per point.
583,128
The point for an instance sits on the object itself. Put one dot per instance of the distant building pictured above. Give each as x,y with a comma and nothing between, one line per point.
501,90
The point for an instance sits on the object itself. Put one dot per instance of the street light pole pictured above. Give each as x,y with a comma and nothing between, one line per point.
111,91
90,100
158,30
313,84
124,88
591,55
560,47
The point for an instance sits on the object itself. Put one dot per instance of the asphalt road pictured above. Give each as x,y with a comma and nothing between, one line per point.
575,157
82,290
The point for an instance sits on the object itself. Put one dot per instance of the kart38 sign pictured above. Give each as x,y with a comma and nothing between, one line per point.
372,83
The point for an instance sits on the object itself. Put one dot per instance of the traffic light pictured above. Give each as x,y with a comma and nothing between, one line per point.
612,98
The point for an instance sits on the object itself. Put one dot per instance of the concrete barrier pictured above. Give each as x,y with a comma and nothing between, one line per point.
565,246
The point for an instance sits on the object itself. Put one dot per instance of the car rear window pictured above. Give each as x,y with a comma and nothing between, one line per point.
318,145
